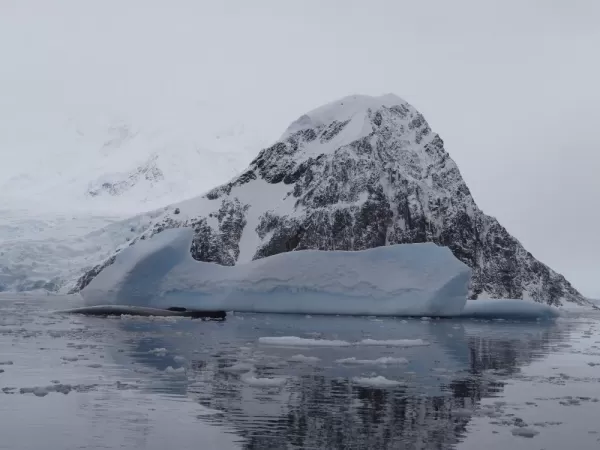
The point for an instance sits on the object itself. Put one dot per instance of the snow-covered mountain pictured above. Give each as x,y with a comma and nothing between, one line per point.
358,173
69,171
94,160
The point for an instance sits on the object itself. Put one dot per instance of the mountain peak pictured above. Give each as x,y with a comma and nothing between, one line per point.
357,173
342,110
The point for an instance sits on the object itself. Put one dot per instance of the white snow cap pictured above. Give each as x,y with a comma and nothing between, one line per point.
343,109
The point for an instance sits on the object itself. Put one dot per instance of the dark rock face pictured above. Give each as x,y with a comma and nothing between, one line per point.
90,274
149,171
375,176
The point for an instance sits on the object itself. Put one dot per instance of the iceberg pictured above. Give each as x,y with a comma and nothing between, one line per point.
396,280
158,276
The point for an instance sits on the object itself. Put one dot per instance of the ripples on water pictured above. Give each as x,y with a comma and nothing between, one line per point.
273,397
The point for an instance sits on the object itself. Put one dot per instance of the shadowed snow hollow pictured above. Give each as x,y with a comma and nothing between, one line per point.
409,280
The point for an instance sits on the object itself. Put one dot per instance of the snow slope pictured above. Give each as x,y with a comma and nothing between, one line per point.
398,280
358,173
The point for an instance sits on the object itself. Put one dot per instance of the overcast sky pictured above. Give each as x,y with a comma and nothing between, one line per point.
511,86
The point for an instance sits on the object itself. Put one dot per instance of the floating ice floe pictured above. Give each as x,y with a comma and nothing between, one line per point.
294,341
383,361
378,381
306,359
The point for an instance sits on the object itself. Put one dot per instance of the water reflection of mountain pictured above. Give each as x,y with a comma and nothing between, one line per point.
321,406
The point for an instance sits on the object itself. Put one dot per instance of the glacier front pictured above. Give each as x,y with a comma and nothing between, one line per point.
397,280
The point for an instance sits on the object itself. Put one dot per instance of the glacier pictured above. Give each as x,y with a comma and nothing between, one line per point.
397,280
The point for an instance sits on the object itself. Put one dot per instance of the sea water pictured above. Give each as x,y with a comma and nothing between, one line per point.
268,381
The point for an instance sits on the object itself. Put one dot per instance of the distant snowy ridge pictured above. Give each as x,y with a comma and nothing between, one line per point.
357,173
97,160
69,172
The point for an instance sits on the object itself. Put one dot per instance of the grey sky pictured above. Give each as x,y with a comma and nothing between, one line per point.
511,86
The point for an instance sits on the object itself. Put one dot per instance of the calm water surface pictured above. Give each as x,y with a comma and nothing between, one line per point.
70,382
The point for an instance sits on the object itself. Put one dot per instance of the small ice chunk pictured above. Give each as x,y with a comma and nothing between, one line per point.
158,351
294,341
264,382
395,342
524,432
302,358
239,367
69,358
171,369
386,360
377,381
179,359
